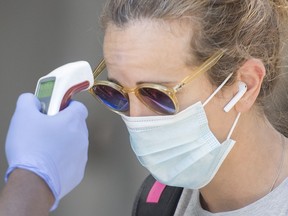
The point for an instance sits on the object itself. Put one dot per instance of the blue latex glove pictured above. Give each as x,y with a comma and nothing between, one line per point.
53,147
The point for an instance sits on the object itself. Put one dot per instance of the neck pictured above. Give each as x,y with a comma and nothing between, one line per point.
246,175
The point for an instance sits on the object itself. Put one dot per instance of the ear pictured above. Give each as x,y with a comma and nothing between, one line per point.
252,73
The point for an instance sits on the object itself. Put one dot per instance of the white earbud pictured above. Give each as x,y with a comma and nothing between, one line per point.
237,97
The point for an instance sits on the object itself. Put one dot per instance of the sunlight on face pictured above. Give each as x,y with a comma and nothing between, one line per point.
147,51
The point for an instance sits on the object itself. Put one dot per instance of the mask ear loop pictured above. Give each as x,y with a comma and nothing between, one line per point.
213,94
233,126
217,90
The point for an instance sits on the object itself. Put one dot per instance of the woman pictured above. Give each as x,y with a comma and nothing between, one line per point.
199,99
173,68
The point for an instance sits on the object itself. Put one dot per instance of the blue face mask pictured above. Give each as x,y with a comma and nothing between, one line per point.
179,150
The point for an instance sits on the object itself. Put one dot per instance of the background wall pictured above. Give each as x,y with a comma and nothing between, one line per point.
37,36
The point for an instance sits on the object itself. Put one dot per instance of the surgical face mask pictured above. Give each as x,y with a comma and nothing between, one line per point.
179,150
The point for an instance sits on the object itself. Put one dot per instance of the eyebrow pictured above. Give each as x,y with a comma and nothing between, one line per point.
113,80
141,82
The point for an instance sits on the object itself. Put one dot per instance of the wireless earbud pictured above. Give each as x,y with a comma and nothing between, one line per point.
242,89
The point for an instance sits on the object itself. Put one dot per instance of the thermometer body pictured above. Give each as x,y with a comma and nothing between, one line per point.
56,88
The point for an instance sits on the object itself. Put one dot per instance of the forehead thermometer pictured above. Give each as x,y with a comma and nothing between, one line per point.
56,88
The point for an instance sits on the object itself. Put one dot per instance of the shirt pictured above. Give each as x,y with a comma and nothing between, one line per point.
273,204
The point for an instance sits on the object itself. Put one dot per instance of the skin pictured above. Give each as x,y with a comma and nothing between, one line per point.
152,51
25,194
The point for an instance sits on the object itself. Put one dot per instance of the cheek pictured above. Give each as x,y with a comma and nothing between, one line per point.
220,122
196,91
186,98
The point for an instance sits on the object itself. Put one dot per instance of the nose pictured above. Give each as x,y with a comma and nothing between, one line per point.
137,108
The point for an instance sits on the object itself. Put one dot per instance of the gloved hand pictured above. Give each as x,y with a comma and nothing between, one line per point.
53,147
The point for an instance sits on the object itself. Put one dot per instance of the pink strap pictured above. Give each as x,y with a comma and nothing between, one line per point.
155,192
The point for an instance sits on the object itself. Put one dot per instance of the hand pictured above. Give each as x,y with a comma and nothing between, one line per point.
53,147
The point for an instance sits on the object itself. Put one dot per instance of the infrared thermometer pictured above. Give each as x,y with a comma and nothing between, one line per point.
56,88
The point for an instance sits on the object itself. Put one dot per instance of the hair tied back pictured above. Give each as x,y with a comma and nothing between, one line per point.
281,4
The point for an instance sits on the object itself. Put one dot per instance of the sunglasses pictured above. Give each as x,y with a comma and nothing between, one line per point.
156,97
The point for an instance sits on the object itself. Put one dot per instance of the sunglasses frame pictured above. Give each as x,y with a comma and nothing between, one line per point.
168,91
124,91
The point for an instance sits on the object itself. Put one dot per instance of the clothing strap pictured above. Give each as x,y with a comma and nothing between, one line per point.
154,198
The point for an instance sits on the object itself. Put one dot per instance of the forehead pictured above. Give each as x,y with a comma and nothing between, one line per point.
147,35
147,44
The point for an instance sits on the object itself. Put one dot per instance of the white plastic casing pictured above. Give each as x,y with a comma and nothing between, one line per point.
56,88
242,89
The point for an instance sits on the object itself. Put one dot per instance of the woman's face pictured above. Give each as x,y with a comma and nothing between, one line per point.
154,52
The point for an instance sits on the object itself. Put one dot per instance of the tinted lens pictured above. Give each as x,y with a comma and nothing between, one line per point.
111,97
157,100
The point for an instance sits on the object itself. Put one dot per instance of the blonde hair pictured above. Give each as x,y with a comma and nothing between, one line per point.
244,28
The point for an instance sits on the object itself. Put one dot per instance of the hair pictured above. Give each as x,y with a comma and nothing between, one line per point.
244,28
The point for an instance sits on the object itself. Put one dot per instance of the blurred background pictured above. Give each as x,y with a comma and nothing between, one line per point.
37,36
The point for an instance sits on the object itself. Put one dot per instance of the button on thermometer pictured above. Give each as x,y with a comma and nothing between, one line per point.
56,88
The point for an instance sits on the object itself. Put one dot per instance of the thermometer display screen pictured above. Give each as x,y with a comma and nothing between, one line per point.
46,88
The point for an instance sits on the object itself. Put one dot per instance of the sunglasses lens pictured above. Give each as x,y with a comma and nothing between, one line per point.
111,97
157,100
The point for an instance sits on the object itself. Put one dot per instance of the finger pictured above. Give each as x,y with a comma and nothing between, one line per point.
77,108
28,101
